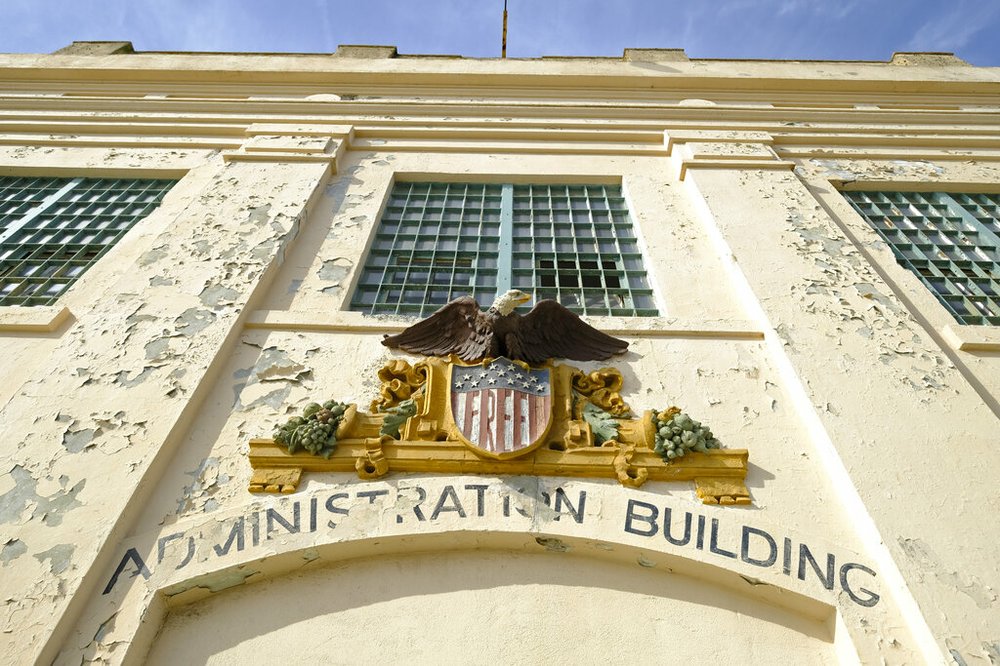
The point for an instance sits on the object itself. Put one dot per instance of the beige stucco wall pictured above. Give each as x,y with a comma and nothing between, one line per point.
870,417
488,607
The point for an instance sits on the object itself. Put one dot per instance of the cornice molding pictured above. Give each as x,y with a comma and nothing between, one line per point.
271,142
722,149
255,110
549,74
307,139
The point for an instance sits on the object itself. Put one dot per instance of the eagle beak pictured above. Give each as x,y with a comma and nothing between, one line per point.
523,298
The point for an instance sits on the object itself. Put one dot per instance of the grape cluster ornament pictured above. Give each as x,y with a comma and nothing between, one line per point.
315,431
677,433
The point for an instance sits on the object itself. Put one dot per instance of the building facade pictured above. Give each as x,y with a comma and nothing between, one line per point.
804,256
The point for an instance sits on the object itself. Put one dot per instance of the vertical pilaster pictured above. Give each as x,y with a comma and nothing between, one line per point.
168,325
850,357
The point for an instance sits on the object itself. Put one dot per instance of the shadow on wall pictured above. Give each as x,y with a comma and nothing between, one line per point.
477,606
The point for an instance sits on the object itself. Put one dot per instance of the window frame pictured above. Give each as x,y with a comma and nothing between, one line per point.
74,210
918,300
510,270
949,271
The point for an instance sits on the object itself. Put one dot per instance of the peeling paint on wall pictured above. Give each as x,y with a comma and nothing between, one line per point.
78,440
333,272
13,549
208,480
217,295
22,503
275,365
194,320
931,564
58,557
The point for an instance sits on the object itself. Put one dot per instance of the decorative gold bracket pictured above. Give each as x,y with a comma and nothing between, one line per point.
429,441
718,475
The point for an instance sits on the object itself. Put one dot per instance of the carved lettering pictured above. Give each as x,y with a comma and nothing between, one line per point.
713,544
577,511
161,545
448,494
131,555
480,497
372,494
650,519
772,556
806,555
870,598
757,548
235,535
700,539
291,527
255,528
667,534
332,508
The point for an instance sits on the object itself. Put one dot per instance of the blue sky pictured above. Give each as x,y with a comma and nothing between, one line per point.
778,29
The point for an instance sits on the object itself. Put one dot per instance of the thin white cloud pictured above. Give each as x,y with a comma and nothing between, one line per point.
955,28
705,28
324,11
782,8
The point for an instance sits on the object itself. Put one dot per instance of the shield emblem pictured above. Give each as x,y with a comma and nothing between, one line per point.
501,409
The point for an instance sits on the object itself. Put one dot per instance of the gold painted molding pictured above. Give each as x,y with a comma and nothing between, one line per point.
719,475
430,441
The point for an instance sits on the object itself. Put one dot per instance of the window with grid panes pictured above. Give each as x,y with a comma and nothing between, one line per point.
440,241
53,229
950,241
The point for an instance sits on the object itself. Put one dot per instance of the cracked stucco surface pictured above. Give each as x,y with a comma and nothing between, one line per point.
834,315
268,375
137,362
272,374
163,348
138,438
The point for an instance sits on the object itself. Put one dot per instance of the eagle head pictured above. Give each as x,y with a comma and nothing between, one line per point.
505,303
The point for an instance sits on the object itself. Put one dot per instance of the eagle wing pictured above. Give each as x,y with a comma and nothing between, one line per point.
457,328
552,331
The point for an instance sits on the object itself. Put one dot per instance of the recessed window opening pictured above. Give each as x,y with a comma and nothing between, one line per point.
572,243
950,241
53,229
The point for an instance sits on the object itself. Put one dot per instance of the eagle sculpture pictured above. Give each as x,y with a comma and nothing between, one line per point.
548,331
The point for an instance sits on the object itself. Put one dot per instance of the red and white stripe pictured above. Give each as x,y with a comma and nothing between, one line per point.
500,420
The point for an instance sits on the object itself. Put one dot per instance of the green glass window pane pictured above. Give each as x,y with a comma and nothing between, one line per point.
951,242
573,243
53,229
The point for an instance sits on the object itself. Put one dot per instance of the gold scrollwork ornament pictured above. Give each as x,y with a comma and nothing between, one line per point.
400,381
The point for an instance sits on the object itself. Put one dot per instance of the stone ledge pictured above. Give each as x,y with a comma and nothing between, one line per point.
972,338
673,137
640,327
96,48
927,59
365,51
654,55
36,319
769,165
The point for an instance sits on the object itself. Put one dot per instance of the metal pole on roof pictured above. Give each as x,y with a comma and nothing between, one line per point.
503,48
